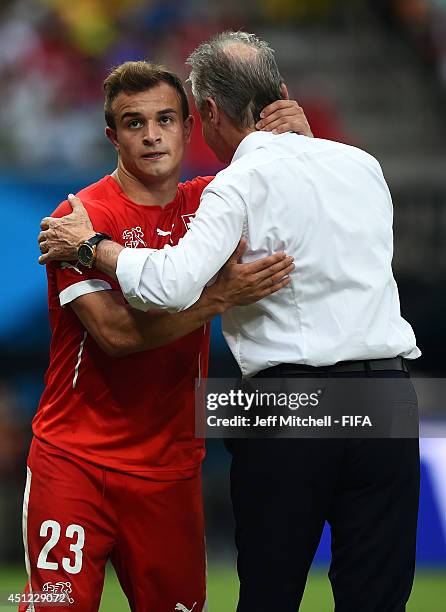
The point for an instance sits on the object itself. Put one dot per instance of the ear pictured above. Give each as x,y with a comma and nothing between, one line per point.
211,111
112,136
284,92
188,127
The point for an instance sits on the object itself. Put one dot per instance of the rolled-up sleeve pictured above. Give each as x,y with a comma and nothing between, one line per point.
173,278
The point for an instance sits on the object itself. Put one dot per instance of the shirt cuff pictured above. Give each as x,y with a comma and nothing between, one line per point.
82,288
129,269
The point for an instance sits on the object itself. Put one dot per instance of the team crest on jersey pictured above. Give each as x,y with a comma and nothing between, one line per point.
59,588
133,238
187,219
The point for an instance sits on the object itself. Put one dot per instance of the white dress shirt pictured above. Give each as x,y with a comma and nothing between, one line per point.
323,202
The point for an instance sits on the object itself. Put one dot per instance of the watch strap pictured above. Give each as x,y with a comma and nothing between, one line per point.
96,239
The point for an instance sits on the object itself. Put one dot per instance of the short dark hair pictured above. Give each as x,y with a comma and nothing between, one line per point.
134,77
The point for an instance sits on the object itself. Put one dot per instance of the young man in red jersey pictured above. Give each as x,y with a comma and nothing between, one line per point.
114,468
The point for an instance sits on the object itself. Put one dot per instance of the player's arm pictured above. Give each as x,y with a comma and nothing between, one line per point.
119,329
172,278
284,116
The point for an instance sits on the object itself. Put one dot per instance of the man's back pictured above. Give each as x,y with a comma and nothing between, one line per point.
328,205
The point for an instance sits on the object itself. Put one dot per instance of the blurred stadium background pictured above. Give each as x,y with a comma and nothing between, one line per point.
368,72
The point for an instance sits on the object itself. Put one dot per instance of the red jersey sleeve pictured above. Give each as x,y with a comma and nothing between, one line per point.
71,280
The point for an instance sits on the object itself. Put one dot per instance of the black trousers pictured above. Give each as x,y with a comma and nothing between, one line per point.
283,491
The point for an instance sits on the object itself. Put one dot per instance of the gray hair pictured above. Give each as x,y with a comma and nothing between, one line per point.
239,72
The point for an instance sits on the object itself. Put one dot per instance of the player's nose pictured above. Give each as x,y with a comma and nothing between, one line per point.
152,132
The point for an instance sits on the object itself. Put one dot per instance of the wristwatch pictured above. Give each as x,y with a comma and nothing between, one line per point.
86,253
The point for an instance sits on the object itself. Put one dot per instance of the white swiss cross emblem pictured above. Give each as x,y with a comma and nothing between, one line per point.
133,237
187,219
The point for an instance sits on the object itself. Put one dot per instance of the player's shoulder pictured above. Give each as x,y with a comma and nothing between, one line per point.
95,197
100,190
195,187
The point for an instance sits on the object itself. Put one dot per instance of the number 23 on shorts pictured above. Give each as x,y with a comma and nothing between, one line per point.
75,536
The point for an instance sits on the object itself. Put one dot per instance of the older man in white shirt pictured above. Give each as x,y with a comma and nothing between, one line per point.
328,205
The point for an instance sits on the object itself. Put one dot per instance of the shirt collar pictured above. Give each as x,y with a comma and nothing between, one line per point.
255,140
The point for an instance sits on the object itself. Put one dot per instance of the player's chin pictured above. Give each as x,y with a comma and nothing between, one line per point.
155,170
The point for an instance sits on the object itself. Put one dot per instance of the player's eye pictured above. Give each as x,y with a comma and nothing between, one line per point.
166,119
134,123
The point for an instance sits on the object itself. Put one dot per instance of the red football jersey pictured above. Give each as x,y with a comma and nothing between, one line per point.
133,413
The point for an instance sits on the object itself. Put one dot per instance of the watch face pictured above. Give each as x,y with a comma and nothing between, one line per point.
85,255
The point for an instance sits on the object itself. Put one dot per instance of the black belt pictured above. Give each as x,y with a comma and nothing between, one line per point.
367,365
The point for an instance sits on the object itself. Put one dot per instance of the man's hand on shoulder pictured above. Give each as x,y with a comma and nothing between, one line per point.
240,284
61,237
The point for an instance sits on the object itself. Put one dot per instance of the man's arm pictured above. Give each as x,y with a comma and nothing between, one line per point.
119,329
171,278
66,233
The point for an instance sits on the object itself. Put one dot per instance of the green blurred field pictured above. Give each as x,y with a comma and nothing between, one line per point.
429,594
